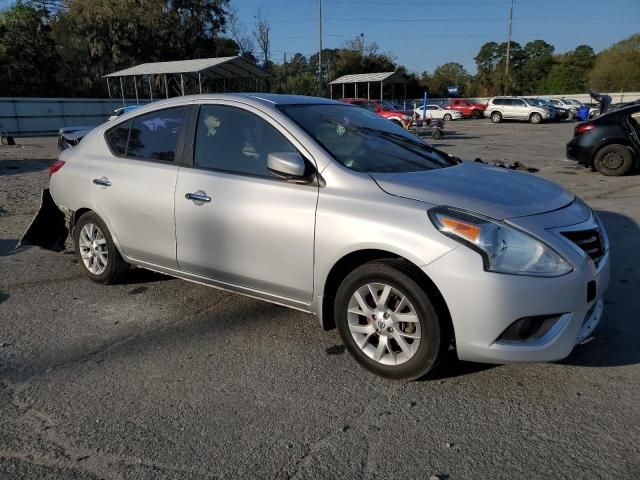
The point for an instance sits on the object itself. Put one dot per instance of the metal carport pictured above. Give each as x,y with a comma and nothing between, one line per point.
381,78
199,70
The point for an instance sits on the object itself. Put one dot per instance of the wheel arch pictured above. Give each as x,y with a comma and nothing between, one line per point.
354,259
75,216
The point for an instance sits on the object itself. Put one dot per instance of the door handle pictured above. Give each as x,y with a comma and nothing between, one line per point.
198,196
102,181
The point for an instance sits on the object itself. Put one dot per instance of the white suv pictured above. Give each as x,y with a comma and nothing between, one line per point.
513,108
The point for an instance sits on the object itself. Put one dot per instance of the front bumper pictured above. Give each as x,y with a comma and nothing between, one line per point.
484,304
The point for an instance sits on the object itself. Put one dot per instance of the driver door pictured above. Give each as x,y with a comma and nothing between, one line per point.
244,226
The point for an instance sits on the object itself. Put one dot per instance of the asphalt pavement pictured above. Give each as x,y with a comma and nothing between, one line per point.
161,378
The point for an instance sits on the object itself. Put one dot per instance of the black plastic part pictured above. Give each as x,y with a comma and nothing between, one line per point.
48,228
529,328
591,291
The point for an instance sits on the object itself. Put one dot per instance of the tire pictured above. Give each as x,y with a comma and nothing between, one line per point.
571,115
447,117
417,344
613,160
97,255
535,118
496,117
436,135
476,114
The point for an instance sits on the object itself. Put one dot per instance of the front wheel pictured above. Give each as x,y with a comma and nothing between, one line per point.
387,321
613,160
447,117
97,254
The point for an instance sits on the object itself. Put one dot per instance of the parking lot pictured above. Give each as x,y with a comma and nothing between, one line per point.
160,378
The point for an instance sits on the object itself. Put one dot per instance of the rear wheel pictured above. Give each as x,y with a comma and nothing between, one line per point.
398,122
613,160
535,118
496,117
571,115
387,321
97,254
476,114
447,117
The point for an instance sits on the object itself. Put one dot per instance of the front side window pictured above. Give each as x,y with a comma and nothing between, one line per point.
151,136
365,142
236,141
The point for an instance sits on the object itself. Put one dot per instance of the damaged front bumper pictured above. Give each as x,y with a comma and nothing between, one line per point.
49,228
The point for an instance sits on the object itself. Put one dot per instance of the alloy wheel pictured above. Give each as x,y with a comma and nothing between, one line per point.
93,248
383,323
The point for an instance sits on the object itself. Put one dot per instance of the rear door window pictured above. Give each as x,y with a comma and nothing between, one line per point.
118,137
152,136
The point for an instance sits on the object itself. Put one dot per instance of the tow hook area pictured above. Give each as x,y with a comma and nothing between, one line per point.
48,229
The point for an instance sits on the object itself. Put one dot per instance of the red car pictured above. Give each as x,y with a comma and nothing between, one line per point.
384,109
468,108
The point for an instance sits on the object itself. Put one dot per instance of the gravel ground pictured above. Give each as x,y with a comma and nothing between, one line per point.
160,378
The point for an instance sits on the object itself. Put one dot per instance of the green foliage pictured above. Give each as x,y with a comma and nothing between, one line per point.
570,72
27,52
618,67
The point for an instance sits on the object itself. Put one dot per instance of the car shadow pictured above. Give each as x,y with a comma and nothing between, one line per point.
142,275
18,167
7,246
616,339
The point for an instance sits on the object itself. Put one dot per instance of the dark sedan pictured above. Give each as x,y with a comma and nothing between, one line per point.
609,143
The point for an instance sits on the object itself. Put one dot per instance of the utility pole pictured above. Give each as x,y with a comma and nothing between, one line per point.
506,67
320,51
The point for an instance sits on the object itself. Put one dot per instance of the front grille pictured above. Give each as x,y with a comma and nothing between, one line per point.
590,241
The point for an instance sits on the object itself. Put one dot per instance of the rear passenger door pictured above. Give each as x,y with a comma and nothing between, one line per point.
134,182
518,109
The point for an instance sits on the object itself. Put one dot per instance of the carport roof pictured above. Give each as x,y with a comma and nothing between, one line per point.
387,77
226,67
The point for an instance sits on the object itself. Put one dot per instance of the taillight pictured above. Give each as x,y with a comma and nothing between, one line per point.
55,166
582,128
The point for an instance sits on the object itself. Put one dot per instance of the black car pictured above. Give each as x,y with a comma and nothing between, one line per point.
609,143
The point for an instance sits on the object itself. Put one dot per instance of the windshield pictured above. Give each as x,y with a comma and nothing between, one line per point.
365,142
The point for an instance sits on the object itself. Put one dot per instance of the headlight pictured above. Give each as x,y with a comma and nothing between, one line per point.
406,117
504,249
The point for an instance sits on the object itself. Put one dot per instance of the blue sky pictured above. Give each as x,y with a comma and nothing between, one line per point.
426,33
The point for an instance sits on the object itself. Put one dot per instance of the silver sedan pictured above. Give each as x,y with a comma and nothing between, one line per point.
329,209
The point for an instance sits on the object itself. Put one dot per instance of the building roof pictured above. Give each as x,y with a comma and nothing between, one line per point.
223,67
387,77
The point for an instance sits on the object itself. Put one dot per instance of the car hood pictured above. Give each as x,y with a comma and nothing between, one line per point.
492,191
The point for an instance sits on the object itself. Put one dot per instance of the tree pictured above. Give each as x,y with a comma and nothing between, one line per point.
618,67
27,50
451,73
537,64
570,72
262,35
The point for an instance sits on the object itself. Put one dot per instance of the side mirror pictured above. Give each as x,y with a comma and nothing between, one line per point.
286,164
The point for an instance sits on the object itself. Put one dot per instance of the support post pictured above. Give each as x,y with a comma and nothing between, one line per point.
368,91
331,91
166,85
182,84
381,89
224,85
355,85
150,88
109,92
200,82
343,90
122,91
135,87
